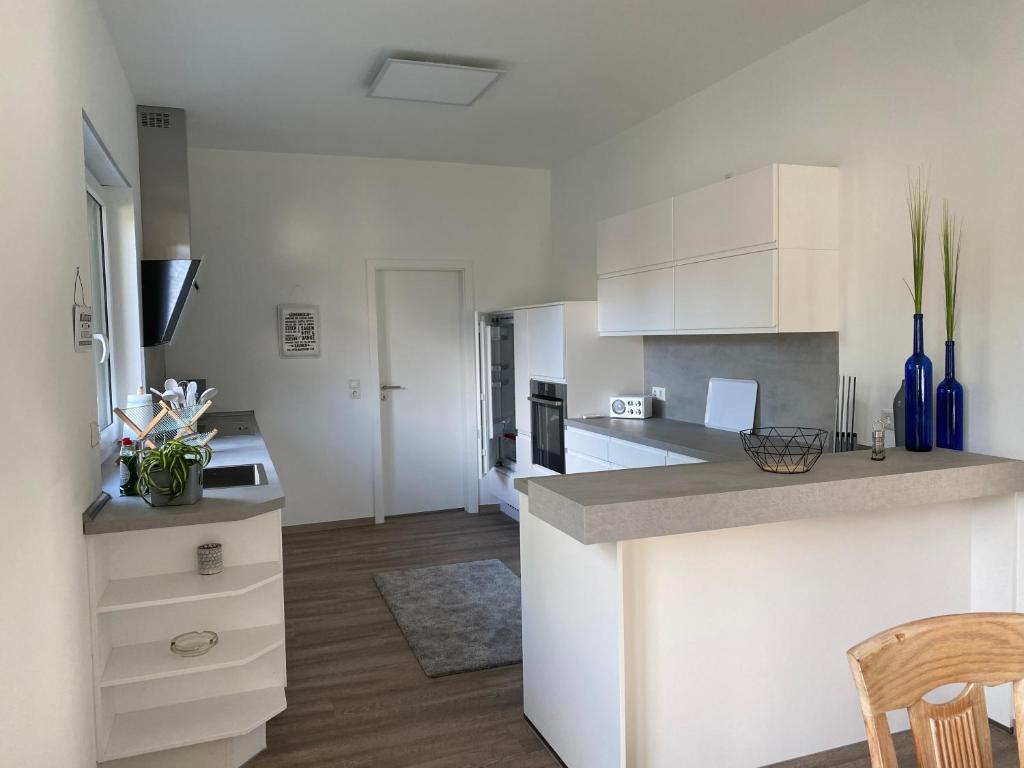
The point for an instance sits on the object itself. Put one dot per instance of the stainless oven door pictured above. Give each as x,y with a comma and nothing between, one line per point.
547,419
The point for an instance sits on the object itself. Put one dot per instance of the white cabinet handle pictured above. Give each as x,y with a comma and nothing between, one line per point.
102,339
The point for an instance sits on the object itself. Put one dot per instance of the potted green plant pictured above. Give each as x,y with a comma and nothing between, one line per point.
172,475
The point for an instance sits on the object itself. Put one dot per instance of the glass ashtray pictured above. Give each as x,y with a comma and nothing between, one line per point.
194,643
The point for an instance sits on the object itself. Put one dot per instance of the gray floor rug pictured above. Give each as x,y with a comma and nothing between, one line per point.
457,618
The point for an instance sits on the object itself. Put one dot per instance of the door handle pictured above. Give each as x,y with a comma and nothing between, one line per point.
385,387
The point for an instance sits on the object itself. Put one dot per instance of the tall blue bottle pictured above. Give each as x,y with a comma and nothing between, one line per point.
949,406
917,377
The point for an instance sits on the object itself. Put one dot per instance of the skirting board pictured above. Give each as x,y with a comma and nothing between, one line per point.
327,525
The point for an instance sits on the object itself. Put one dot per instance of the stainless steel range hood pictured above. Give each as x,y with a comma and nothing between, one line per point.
168,269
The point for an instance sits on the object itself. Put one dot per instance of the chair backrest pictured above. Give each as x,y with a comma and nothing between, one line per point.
897,667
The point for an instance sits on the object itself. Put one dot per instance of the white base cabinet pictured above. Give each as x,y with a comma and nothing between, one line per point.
756,253
154,708
592,452
577,463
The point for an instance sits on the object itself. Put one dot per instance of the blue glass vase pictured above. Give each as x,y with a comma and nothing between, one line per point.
949,406
917,379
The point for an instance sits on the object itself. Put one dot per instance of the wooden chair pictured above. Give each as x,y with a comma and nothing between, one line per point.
897,667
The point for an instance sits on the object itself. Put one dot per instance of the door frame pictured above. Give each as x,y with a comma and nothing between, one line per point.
467,348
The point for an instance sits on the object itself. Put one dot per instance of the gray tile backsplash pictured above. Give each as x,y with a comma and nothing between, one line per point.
796,374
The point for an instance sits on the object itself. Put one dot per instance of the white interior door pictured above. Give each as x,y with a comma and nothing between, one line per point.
419,314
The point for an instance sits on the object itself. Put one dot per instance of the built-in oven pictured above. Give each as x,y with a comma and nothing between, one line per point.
547,422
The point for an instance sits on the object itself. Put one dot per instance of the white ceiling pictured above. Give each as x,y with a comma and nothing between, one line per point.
291,75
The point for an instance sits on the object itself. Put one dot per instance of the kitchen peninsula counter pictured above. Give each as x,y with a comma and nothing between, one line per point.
665,609
639,503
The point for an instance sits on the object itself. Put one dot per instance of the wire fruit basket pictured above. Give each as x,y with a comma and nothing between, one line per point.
784,450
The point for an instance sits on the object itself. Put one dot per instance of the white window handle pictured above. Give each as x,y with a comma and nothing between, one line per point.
102,339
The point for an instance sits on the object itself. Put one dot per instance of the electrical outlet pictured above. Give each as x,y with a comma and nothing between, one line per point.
886,420
354,394
658,393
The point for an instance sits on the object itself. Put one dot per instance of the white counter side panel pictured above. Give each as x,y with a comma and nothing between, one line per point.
571,643
736,639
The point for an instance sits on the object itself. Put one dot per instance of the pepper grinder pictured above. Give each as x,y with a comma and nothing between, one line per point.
878,444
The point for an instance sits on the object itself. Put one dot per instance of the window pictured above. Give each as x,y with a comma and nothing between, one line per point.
100,313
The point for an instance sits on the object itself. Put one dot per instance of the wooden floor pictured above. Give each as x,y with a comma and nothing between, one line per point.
356,695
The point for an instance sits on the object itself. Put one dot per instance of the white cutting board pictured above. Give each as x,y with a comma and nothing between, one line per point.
730,404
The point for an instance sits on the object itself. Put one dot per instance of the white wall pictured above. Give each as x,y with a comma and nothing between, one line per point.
281,228
57,60
893,84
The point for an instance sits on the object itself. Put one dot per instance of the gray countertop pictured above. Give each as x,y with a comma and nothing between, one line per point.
678,436
131,513
640,503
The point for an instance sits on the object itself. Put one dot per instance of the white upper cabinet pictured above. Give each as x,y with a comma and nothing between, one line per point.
727,293
546,342
756,253
639,238
727,216
642,301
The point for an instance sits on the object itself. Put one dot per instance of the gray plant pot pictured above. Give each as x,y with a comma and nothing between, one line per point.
193,489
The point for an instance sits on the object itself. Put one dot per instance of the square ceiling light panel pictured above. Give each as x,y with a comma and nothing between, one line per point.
430,81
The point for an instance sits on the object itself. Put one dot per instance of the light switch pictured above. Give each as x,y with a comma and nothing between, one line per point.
353,384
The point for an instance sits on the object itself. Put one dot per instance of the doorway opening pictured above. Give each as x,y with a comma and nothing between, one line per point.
422,359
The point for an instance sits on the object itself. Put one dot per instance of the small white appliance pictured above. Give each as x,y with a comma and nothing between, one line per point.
630,407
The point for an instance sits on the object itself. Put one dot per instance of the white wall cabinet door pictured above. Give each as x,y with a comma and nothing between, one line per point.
634,455
546,342
634,239
733,292
736,213
578,462
521,362
638,302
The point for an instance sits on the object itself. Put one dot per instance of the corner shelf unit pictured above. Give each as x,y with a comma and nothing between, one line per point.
182,725
144,590
171,588
141,662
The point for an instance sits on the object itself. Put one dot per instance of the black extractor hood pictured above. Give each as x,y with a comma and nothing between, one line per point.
165,286
168,270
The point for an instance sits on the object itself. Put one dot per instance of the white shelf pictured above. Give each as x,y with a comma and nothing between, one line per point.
154,661
171,588
194,722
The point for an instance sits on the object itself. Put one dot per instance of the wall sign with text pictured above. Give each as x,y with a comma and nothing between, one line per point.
298,330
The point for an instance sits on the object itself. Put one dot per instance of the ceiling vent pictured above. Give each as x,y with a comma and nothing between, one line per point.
149,118
430,81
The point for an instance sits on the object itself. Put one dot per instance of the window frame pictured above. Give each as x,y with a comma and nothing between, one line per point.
109,435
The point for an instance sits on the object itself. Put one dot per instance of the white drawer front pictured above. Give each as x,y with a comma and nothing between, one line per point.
675,459
634,455
587,443
577,462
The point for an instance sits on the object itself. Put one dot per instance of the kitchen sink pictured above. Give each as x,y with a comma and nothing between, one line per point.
234,476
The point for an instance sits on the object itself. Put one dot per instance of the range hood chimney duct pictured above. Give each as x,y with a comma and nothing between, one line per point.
168,269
